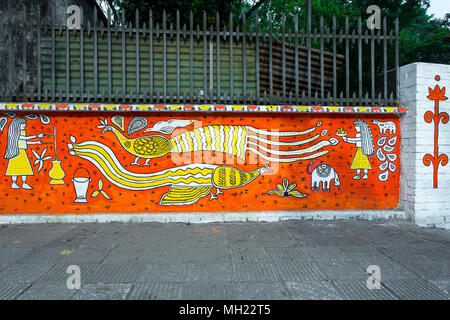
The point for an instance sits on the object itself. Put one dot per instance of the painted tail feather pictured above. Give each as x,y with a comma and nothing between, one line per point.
273,159
310,149
284,133
183,196
281,143
193,175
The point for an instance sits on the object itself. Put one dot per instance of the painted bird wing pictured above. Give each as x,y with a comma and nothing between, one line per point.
168,126
165,129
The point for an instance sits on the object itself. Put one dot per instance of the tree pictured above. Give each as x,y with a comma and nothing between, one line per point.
197,7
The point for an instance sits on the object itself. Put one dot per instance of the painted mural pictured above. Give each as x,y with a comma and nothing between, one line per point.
437,94
89,162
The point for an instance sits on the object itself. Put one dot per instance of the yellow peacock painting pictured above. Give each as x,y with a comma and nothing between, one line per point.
234,140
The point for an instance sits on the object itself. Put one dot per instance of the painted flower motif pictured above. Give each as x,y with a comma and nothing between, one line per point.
286,189
100,190
437,93
103,124
40,158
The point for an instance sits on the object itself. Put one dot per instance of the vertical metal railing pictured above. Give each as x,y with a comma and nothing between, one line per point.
230,60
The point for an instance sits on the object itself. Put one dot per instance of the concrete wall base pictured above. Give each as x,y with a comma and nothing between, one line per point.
425,205
206,217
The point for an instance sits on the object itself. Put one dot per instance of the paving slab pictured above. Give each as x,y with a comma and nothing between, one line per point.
19,236
112,273
283,243
343,270
326,253
201,290
255,272
327,239
405,254
103,291
84,255
431,236
260,291
185,272
440,254
251,254
238,235
194,254
45,255
23,273
312,290
57,273
357,252
301,270
127,255
248,260
103,239
443,285
210,271
247,242
358,290
48,291
288,255
389,268
388,237
430,270
156,291
11,290
414,289
74,236
11,255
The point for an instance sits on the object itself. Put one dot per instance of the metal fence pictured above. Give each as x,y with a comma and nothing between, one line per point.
152,62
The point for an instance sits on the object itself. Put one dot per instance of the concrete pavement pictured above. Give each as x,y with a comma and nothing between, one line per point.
275,260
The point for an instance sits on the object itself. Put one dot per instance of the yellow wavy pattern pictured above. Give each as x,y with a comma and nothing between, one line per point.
145,185
204,171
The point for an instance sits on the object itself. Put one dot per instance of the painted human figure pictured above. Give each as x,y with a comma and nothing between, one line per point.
18,163
364,148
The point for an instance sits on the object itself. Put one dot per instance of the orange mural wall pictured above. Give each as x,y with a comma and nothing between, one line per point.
179,162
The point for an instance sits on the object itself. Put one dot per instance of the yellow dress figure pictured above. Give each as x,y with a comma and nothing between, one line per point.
364,148
18,163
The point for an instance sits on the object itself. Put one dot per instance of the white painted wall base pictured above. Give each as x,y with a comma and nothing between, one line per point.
205,217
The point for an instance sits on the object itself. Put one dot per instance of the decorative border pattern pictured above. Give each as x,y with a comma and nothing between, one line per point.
194,108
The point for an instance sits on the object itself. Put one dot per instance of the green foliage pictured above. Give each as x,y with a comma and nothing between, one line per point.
426,40
197,7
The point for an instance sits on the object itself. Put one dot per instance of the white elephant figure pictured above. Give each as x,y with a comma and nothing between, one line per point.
386,126
322,173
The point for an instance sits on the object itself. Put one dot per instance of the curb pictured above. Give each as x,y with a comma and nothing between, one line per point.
206,217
